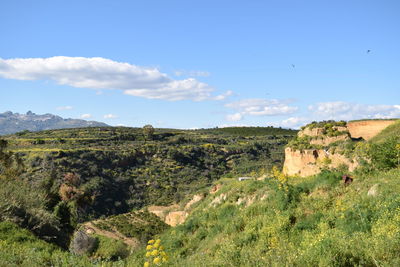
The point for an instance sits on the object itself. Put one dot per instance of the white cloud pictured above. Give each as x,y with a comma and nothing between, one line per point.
64,108
101,73
176,90
234,117
192,73
260,107
340,110
110,116
234,125
294,122
224,95
86,116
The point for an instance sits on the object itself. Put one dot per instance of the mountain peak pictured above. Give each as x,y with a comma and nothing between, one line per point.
14,122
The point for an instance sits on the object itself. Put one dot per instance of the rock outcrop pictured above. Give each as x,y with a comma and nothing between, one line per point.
174,215
367,129
307,162
310,161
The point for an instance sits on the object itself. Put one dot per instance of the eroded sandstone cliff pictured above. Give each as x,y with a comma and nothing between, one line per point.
320,153
367,129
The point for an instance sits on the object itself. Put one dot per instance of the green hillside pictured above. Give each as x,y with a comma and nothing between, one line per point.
100,177
83,174
316,221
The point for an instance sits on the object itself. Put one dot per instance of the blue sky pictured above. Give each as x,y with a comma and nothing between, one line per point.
196,64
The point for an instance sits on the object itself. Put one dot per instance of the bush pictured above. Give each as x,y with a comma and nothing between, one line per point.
385,155
110,249
82,243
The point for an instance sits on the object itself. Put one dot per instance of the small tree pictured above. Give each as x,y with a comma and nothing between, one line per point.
148,131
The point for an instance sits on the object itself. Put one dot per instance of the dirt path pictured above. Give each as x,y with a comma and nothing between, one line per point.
133,242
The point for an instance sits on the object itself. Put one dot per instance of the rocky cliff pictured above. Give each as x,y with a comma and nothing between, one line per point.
310,161
368,128
323,145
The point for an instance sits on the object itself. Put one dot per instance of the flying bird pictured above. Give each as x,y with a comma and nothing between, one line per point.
293,66
368,51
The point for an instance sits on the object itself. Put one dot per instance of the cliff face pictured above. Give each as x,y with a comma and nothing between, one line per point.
310,161
307,162
367,129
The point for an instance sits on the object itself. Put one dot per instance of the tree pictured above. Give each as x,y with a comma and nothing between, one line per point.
148,131
11,165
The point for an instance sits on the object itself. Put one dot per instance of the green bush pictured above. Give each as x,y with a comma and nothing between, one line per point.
385,155
110,249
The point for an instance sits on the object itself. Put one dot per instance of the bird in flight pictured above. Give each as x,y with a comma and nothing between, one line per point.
293,66
368,51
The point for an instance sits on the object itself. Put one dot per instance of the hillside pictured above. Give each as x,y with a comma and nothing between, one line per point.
189,181
86,173
315,221
14,122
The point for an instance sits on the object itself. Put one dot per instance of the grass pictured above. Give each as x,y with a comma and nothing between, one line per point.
141,225
317,222
19,247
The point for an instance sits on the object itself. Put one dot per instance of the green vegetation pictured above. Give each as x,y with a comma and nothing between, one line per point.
318,221
52,181
141,225
328,129
249,131
121,169
19,247
324,124
104,175
302,143
110,249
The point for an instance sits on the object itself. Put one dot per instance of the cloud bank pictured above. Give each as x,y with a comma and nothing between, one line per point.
259,107
101,73
340,110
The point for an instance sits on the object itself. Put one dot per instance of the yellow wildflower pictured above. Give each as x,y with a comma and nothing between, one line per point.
146,264
150,241
157,261
149,247
156,245
154,252
148,254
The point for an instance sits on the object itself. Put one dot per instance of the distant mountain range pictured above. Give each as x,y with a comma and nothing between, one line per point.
14,122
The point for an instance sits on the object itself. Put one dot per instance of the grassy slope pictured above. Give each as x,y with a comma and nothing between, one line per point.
318,222
140,225
19,247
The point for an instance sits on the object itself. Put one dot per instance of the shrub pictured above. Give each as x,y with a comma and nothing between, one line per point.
82,243
385,155
110,249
